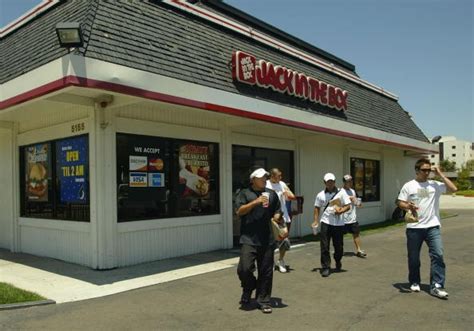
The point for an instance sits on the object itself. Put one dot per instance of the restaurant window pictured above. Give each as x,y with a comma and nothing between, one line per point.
54,179
245,159
366,175
166,178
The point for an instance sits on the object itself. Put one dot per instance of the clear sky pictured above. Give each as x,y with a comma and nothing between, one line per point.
421,50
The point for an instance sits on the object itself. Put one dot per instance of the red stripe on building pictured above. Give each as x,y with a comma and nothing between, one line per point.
124,89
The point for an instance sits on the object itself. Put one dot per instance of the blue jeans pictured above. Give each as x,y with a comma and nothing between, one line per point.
432,237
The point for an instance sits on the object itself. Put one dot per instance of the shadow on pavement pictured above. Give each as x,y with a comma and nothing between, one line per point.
333,270
405,287
276,303
402,287
103,277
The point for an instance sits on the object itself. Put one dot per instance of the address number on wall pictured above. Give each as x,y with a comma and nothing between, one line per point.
78,127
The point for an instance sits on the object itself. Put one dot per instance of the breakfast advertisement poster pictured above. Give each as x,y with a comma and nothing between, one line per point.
37,171
194,163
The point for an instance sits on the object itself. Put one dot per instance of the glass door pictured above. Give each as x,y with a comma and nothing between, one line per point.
245,159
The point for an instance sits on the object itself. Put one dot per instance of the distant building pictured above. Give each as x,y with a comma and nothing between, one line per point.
453,149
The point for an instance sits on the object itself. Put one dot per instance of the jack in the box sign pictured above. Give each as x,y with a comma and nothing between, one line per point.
243,67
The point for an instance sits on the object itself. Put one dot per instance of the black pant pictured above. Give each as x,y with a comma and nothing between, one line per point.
263,255
336,233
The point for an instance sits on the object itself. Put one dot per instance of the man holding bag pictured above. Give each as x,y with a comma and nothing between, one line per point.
284,194
420,196
256,206
329,205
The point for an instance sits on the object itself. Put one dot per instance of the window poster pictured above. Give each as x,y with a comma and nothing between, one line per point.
358,177
145,164
37,170
369,174
141,167
194,169
72,157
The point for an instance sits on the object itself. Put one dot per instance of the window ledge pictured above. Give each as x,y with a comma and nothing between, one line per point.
168,223
371,204
63,225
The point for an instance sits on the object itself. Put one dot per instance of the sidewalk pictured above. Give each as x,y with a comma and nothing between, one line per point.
66,282
456,202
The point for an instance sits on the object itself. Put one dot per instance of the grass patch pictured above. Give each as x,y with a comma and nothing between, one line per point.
466,193
12,294
376,227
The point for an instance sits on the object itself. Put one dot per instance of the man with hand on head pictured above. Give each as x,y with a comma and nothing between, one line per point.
256,206
329,205
421,196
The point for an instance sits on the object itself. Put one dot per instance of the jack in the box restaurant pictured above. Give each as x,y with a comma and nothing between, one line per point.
127,128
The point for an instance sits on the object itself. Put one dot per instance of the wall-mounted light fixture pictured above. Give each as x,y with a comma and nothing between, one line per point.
436,139
69,34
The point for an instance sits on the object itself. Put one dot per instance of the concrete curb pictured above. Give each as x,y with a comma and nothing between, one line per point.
449,216
27,304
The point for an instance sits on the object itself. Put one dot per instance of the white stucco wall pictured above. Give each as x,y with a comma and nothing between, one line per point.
6,197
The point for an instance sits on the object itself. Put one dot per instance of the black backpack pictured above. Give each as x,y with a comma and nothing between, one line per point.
398,214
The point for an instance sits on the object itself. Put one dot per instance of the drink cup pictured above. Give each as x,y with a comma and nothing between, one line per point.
315,229
359,202
267,199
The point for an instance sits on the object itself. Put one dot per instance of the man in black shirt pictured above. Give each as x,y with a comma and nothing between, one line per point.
256,206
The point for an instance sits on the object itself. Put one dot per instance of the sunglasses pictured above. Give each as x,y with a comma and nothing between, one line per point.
425,170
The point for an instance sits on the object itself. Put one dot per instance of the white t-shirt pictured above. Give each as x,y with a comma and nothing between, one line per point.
280,188
350,216
426,196
329,216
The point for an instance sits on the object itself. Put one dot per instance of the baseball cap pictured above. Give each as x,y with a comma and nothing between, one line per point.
259,173
347,178
329,176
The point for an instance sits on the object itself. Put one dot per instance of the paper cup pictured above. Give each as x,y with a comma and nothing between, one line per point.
267,195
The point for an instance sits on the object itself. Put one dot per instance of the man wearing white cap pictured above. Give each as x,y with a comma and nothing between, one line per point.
350,218
330,203
256,206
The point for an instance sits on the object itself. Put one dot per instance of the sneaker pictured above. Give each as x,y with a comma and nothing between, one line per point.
325,272
265,308
415,287
281,266
361,254
438,291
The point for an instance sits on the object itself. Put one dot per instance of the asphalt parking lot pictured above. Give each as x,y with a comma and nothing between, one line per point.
370,294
